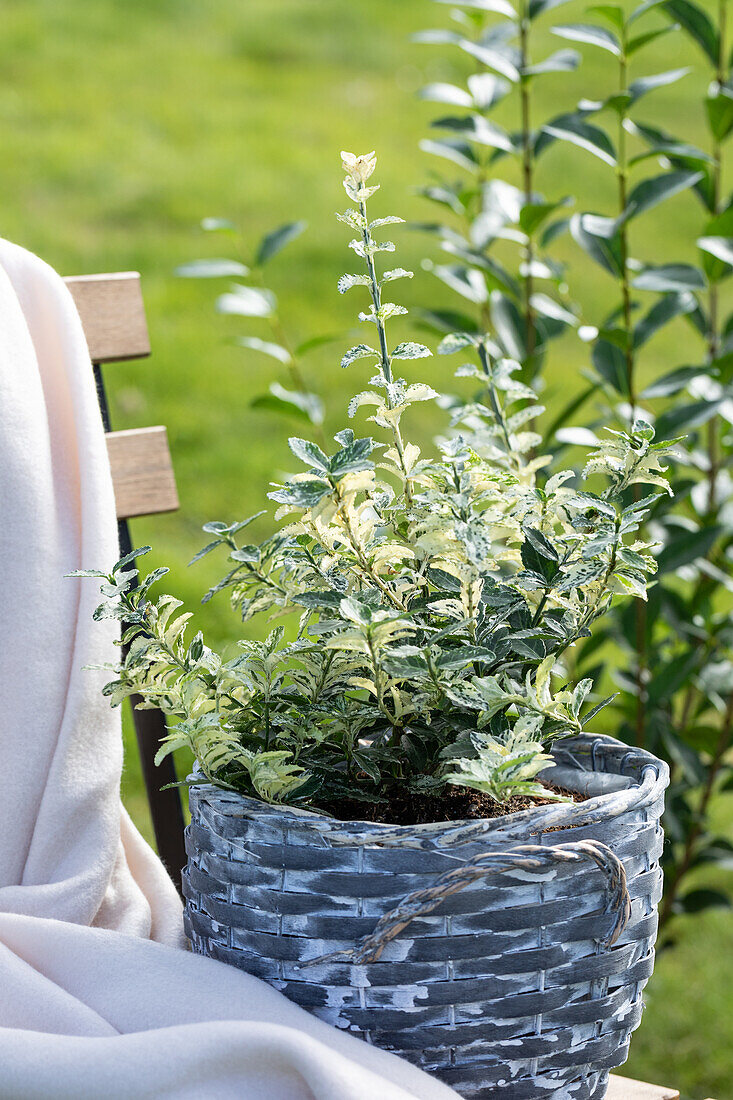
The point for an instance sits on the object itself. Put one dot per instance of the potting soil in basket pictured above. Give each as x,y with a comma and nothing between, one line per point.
511,955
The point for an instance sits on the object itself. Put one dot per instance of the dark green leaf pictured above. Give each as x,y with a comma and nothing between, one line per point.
641,40
538,562
365,762
554,231
459,152
719,852
496,277
574,129
610,362
550,310
685,546
499,7
447,320
275,351
684,418
541,543
599,237
353,458
277,240
721,248
495,56
129,558
487,89
661,313
203,552
650,192
686,759
475,653
665,144
305,406
564,415
477,128
719,106
446,93
644,84
562,61
671,383
695,901
697,23
591,35
153,578
598,707
533,214
509,325
309,453
321,600
303,494
611,12
248,301
537,7
670,277
673,675
317,342
467,281
211,269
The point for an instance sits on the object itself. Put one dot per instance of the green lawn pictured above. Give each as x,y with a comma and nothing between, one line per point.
124,125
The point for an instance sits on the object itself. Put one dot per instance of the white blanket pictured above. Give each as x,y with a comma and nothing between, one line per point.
98,997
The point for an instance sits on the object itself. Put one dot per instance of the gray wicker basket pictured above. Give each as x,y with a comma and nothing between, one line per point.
507,957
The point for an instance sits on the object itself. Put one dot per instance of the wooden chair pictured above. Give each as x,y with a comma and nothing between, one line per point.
113,317
622,1088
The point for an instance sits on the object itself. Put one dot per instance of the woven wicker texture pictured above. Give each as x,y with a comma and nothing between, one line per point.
507,986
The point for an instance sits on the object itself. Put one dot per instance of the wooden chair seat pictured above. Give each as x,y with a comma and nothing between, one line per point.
623,1088
113,317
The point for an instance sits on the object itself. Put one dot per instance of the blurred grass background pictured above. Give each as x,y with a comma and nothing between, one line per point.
124,125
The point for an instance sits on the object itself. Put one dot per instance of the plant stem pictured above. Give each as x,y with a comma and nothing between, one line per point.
493,398
376,294
386,361
527,153
681,869
713,302
362,559
379,685
623,174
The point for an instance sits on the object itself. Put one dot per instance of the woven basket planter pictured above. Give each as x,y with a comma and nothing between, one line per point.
507,956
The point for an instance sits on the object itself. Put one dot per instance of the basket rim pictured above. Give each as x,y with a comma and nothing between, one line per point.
587,752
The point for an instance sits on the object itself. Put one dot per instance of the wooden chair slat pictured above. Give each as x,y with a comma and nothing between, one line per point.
623,1088
112,315
142,472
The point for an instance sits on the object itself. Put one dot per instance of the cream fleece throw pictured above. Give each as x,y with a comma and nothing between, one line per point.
98,998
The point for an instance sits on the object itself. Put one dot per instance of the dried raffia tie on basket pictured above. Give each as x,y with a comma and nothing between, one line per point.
524,857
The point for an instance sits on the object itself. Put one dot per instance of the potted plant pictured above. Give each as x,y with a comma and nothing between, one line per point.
398,817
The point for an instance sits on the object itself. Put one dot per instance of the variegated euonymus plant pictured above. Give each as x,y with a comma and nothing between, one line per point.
434,595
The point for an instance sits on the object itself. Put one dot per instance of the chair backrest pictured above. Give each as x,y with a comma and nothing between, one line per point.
113,317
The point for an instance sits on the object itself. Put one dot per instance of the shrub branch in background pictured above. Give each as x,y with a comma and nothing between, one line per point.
673,652
249,297
435,597
520,302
